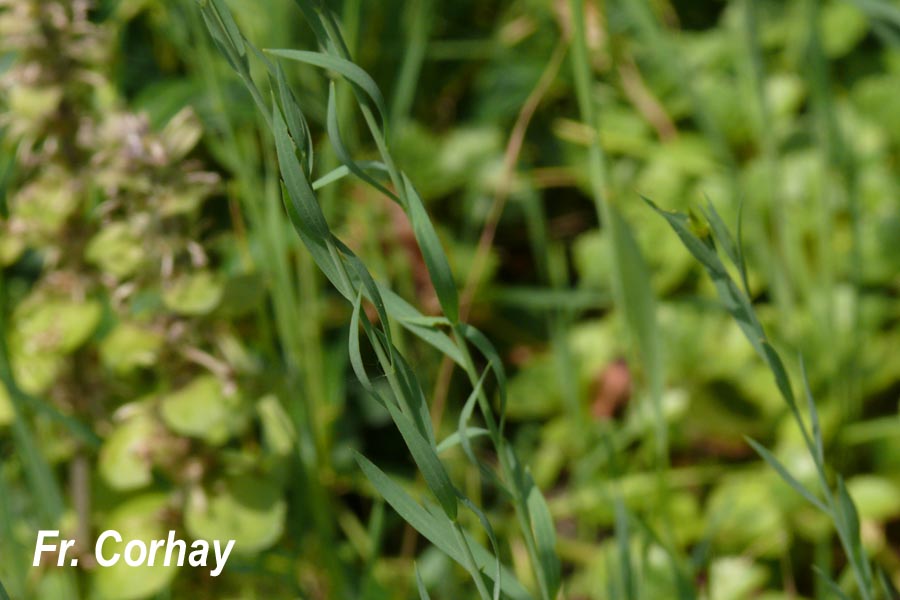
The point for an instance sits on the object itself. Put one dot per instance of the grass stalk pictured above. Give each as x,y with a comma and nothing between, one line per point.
419,20
840,159
785,263
834,502
630,279
352,279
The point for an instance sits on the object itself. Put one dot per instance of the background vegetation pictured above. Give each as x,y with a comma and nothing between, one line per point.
172,358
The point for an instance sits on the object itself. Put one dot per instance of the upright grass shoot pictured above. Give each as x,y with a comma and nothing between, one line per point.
706,240
405,401
630,278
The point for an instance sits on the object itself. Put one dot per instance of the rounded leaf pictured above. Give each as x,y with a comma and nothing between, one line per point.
204,410
116,250
125,462
245,508
130,346
141,518
35,373
55,326
195,294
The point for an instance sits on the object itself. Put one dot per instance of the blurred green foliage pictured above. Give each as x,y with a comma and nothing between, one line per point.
175,362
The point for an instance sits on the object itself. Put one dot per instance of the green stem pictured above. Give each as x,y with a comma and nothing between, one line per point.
471,565
506,466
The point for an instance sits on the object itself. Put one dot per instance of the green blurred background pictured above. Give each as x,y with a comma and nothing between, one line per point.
177,362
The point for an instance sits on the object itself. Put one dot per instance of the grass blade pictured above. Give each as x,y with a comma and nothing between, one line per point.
464,415
785,475
813,415
351,71
436,527
420,585
486,348
433,253
454,438
735,302
545,537
623,539
299,190
833,587
488,528
427,460
887,586
413,321
340,149
638,303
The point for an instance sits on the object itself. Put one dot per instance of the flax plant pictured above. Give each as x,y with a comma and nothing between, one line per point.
404,399
707,238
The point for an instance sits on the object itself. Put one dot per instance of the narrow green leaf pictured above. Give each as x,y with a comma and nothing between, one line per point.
410,318
231,28
438,530
742,262
637,301
486,348
464,415
369,287
356,361
418,404
427,460
849,516
436,527
732,298
780,374
337,142
423,592
302,198
352,72
330,177
623,543
813,416
433,253
776,366
454,438
833,587
342,171
887,586
545,537
785,475
318,247
311,16
336,45
429,321
220,39
721,233
486,525
296,121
